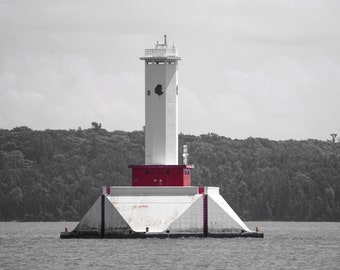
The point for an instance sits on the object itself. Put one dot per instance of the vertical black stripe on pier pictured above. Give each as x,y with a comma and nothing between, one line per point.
205,215
102,226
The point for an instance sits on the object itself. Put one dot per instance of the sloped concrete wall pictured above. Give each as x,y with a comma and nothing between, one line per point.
191,221
91,222
114,222
221,217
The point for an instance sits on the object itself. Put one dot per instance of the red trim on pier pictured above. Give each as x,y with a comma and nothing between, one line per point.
102,216
205,215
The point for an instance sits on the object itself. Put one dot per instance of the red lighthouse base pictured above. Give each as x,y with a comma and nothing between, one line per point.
161,175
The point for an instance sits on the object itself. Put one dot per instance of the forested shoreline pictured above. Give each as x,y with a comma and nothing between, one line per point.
56,175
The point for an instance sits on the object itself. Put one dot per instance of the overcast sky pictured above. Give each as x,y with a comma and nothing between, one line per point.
250,68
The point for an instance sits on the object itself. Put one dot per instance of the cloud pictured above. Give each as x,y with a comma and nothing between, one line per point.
282,98
48,91
261,68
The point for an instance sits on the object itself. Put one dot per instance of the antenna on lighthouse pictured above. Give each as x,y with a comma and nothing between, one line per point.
185,154
165,40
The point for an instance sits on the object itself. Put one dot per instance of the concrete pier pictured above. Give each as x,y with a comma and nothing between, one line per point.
162,212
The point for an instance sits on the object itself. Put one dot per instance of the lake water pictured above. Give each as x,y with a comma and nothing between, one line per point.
287,245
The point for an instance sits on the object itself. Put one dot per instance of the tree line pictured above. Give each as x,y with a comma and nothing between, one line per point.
57,174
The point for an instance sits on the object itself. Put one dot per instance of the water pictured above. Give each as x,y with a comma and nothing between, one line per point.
287,245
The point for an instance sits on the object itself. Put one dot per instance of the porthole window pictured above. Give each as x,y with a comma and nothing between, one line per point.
159,89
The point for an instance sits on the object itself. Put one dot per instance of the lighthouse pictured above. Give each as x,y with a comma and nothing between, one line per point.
161,202
161,121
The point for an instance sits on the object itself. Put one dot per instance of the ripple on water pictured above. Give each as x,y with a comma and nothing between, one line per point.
287,245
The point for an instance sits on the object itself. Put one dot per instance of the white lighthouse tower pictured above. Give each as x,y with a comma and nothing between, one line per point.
161,105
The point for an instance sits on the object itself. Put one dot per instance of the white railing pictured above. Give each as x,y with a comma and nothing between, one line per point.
160,52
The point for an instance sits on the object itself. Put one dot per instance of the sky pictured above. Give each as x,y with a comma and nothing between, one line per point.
250,68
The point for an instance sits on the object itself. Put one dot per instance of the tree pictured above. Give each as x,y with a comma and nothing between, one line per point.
333,135
96,126
261,179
